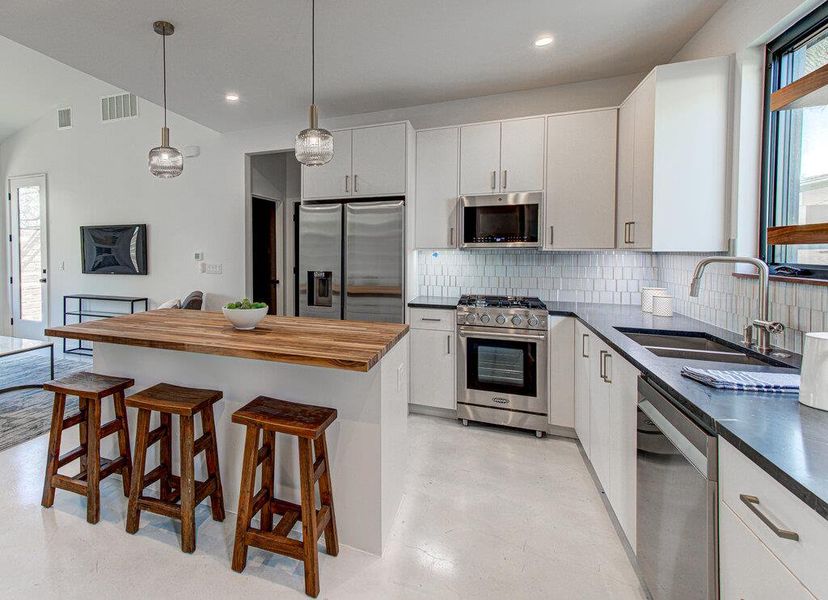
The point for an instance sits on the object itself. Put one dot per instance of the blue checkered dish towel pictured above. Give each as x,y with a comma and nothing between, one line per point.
745,381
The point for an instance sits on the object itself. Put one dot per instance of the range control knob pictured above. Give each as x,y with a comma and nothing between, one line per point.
533,321
516,320
484,318
500,319
470,318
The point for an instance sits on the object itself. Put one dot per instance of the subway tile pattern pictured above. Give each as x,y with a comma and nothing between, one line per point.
605,277
616,277
732,303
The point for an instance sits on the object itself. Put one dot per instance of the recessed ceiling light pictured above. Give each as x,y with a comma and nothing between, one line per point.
544,40
231,97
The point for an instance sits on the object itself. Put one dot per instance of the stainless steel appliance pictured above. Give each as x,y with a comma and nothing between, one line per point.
501,361
351,261
676,534
501,221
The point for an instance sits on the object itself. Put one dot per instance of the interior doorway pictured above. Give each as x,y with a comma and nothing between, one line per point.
273,188
265,254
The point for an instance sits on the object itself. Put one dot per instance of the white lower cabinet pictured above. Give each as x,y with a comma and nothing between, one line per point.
606,399
747,569
583,345
561,392
782,552
433,361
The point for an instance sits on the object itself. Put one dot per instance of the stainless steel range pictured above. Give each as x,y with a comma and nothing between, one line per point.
501,361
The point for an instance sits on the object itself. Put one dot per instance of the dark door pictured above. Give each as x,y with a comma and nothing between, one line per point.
265,273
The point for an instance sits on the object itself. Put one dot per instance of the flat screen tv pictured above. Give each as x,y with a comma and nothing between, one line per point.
114,249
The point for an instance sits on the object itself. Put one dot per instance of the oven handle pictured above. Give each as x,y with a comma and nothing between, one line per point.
494,335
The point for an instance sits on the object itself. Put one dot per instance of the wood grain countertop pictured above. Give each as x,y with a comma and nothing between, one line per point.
349,345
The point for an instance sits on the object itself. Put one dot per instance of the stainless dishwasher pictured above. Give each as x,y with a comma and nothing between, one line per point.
677,500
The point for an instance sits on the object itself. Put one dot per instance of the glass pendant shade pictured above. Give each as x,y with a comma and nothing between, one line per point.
314,146
164,161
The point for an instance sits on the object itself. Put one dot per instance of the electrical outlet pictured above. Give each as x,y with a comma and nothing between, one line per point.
198,256
62,266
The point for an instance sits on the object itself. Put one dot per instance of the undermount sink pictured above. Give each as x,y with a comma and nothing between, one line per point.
692,346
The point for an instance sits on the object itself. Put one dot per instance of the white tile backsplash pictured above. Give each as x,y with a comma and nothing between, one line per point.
616,277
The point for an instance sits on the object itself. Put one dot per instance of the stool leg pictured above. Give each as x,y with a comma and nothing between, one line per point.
165,444
208,424
268,466
248,480
309,536
53,453
326,496
84,411
93,462
133,519
123,440
187,441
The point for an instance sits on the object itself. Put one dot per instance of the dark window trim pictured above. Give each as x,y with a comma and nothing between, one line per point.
787,40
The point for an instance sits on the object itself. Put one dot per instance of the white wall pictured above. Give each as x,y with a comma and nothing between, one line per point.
97,174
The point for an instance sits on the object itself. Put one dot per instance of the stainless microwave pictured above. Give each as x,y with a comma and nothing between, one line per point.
501,221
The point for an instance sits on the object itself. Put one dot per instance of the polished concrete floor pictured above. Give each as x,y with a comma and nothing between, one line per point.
488,513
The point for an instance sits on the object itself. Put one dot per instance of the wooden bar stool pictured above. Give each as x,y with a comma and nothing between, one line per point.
179,495
90,388
308,424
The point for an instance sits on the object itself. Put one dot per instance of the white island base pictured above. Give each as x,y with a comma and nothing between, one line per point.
366,443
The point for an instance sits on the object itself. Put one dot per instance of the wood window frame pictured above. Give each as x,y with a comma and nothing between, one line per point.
777,98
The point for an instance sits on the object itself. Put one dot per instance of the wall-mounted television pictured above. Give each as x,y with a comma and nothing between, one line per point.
114,249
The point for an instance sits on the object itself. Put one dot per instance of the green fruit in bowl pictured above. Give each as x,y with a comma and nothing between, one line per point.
245,304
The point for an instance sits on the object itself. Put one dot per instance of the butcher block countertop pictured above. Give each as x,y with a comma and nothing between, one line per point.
348,345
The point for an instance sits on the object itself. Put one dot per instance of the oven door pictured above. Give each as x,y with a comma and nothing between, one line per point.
500,369
502,221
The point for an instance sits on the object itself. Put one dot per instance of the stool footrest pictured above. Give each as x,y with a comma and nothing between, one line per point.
319,468
286,523
204,489
70,484
273,543
70,456
280,507
110,428
264,453
108,467
159,507
155,475
323,516
202,443
156,434
76,419
259,500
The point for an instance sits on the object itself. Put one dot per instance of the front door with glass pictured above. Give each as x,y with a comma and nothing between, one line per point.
28,241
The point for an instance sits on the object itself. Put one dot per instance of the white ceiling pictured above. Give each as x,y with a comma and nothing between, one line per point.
371,54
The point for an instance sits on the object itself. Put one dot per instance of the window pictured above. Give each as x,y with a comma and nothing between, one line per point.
795,163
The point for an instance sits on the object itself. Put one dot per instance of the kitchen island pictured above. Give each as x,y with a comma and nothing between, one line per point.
358,368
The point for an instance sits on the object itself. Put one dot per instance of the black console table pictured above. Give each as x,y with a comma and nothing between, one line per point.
80,311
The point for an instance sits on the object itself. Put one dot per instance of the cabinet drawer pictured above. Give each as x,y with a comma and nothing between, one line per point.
748,569
432,318
747,489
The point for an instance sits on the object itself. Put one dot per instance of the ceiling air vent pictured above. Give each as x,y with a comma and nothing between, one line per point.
64,118
121,106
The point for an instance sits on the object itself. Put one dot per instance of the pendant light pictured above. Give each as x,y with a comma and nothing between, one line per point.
164,160
314,146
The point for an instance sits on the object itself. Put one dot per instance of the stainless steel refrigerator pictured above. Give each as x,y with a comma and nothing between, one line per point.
352,261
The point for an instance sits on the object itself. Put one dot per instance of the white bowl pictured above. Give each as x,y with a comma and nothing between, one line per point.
244,318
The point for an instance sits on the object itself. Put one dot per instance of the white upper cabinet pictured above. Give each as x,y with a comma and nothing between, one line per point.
379,160
672,159
333,179
580,180
521,155
437,188
480,159
367,161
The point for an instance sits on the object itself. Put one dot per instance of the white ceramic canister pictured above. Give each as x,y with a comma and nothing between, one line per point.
662,306
647,295
813,386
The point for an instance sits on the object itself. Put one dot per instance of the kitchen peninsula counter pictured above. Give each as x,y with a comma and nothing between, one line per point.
358,368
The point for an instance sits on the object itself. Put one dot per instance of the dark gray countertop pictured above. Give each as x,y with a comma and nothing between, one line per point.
434,302
786,439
